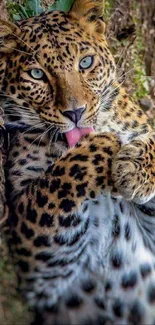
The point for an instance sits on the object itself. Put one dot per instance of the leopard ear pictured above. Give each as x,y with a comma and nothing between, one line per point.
8,36
91,11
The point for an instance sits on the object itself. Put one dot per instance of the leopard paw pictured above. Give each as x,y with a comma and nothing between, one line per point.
133,172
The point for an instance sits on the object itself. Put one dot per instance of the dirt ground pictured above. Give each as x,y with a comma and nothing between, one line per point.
131,32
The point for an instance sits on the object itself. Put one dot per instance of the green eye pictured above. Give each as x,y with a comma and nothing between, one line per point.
36,74
86,62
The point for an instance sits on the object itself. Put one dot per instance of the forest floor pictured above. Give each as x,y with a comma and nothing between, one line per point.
127,37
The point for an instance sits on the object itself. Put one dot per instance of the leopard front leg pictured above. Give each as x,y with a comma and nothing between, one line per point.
43,216
133,169
82,173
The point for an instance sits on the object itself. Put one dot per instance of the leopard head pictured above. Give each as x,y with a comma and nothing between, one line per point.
58,65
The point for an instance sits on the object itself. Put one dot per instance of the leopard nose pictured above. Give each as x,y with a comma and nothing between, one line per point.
75,115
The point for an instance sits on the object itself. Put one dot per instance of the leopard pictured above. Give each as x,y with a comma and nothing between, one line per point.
80,173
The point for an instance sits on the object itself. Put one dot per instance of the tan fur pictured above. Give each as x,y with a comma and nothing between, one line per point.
50,183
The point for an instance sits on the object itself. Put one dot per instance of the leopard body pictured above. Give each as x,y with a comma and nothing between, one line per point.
81,222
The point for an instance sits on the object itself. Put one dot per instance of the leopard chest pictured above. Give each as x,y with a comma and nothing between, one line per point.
106,237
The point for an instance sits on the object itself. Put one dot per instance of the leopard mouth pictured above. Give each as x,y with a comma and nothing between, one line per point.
70,138
74,136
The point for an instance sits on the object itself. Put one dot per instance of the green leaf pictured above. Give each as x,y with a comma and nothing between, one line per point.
63,5
31,8
34,6
23,11
16,17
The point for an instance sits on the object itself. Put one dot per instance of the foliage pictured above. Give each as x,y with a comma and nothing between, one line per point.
62,5
108,9
131,61
28,8
12,308
140,78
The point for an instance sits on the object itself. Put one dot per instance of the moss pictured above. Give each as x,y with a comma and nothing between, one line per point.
109,4
140,78
12,309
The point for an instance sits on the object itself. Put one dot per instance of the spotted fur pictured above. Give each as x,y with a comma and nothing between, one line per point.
81,224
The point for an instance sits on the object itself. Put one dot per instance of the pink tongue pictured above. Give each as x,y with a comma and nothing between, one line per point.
76,134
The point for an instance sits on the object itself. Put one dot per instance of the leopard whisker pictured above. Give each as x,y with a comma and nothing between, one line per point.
117,80
37,138
55,129
20,136
120,77
10,105
106,99
52,136
29,148
28,130
20,119
56,135
27,109
50,140
19,115
15,104
15,49
21,40
122,54
44,134
32,128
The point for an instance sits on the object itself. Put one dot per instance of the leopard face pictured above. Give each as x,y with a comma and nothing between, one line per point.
58,65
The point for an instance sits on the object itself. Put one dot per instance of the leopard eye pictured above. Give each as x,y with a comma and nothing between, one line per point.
86,62
37,74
